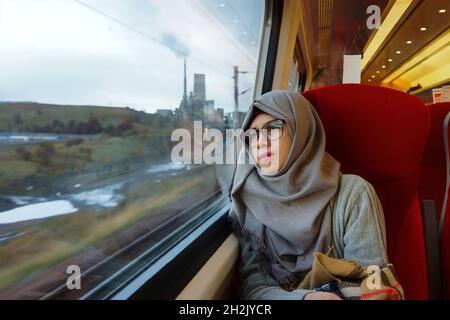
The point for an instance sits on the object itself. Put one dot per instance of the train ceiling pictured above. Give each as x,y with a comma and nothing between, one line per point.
409,52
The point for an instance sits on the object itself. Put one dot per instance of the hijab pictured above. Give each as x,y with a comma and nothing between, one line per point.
286,217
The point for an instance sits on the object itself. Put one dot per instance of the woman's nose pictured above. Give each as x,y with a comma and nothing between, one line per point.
262,140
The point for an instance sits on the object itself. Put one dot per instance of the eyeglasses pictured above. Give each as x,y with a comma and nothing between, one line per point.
271,131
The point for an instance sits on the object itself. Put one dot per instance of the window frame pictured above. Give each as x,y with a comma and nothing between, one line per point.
274,17
156,257
300,70
173,271
203,242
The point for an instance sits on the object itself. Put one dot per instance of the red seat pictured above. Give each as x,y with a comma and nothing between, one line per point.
433,182
434,171
445,244
380,134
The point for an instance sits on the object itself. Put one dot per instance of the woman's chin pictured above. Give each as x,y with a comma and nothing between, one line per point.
268,169
265,162
268,165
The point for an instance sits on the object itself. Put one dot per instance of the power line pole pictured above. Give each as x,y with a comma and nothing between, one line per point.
185,82
236,96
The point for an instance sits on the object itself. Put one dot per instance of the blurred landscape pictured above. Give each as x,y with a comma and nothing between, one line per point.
44,143
72,177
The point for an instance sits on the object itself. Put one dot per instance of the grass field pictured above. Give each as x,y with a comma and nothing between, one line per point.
51,241
101,157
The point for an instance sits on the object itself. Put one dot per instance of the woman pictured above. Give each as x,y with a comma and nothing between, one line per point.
292,201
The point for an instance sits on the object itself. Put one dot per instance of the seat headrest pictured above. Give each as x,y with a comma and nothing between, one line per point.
434,151
376,132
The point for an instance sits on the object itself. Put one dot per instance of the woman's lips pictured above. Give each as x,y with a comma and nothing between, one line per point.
264,157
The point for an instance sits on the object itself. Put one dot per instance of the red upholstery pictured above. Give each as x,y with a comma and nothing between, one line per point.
380,135
433,182
445,253
434,172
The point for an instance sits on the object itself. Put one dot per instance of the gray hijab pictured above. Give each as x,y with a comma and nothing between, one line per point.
287,217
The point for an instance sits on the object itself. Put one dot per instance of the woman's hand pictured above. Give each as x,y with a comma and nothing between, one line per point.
321,296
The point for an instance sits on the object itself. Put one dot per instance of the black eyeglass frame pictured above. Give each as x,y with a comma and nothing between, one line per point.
264,128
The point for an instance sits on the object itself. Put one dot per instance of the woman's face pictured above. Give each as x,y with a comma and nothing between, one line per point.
270,155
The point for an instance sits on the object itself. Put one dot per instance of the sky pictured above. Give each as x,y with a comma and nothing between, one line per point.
126,52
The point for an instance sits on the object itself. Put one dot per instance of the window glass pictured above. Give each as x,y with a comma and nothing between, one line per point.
294,76
90,93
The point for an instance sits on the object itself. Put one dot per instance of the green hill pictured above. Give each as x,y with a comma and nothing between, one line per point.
29,116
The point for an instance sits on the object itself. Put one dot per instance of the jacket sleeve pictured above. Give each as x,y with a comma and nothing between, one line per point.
255,285
362,229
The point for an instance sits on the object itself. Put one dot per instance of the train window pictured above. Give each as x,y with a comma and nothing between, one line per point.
91,91
294,76
297,76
